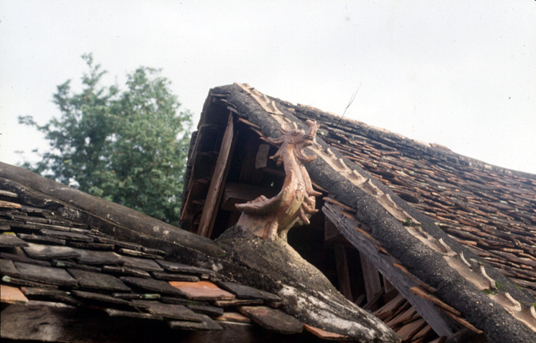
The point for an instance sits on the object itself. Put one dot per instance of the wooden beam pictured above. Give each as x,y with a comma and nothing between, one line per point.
343,274
371,277
333,236
441,324
248,157
261,160
222,165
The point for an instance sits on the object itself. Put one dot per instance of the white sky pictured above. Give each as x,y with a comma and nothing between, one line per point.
458,73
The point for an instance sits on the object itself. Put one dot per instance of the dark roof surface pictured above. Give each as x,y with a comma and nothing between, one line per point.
490,210
57,262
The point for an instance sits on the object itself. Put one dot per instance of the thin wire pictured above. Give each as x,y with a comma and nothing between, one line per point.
349,104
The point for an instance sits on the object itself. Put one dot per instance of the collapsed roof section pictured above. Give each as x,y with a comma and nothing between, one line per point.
464,217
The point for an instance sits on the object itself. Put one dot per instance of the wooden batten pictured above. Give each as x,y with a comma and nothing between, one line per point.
373,284
208,215
261,159
249,173
343,273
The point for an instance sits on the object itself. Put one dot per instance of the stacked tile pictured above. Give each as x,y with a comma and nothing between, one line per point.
490,210
49,259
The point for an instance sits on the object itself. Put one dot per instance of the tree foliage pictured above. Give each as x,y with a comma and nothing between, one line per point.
129,146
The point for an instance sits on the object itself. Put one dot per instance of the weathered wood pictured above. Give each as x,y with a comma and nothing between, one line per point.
261,159
248,159
384,263
217,179
343,274
423,294
372,302
388,285
371,277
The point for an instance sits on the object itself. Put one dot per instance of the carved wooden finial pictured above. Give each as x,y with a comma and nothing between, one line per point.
295,203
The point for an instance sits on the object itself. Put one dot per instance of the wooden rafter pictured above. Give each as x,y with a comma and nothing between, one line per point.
216,184
384,263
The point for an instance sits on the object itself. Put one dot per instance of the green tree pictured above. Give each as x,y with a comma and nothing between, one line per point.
129,147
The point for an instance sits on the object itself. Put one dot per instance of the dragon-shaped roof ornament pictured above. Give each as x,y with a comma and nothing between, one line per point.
295,203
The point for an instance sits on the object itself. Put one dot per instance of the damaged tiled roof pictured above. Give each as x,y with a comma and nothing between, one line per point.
490,210
47,259
450,201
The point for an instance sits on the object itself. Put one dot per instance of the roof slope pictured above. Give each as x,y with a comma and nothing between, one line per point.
490,210
442,184
65,254
53,259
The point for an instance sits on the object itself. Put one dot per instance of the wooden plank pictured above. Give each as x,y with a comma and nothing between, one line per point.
388,285
422,293
249,173
343,274
332,235
209,210
261,160
384,263
371,276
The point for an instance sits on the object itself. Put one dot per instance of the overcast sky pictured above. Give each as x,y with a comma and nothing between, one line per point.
458,73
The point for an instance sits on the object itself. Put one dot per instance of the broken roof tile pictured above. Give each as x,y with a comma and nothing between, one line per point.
25,283
137,296
137,253
12,295
92,246
98,281
153,251
202,290
238,302
139,263
247,292
175,267
207,324
174,277
326,335
95,257
8,240
48,275
70,236
23,258
8,268
183,301
170,311
272,319
48,252
208,310
51,294
41,239
131,314
9,204
121,244
70,264
233,317
126,271
152,285
100,298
